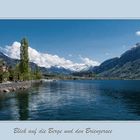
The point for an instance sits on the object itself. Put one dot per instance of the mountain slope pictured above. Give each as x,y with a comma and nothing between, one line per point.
129,70
125,67
106,65
8,60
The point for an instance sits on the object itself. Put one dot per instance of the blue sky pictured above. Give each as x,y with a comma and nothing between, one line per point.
95,39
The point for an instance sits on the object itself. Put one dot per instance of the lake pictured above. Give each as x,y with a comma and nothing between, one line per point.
74,100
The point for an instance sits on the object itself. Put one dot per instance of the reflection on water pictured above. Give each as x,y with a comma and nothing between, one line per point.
23,105
74,100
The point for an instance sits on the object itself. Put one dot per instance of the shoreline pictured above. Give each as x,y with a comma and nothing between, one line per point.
14,86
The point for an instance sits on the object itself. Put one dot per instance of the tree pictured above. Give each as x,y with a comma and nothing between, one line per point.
4,73
37,73
17,73
24,59
5,76
11,73
1,61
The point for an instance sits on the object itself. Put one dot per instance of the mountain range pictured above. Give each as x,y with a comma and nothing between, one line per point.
47,60
52,70
127,66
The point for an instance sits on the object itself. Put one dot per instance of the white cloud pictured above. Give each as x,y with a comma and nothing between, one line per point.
138,33
89,62
47,60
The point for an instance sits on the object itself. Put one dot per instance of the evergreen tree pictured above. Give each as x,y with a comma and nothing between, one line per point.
37,73
4,73
24,59
5,76
11,73
17,73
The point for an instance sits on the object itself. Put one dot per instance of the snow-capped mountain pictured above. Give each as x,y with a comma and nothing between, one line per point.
48,61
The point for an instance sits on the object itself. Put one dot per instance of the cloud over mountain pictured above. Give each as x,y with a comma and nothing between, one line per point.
48,60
